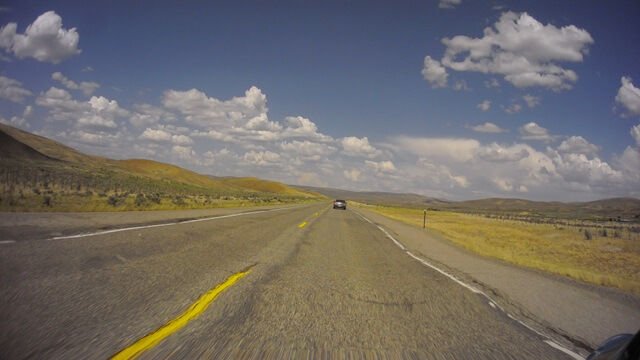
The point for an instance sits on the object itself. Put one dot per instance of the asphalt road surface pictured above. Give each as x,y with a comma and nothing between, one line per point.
323,284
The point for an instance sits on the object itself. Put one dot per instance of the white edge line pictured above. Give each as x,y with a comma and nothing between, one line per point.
160,225
7,241
564,350
476,291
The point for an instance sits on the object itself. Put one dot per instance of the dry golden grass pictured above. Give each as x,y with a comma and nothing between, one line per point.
607,261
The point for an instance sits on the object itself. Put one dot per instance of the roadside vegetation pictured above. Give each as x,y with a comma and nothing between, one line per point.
51,187
599,252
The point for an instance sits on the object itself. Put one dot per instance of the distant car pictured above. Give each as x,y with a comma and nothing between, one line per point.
340,204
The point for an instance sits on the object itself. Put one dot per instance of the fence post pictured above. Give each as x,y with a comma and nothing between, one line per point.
424,220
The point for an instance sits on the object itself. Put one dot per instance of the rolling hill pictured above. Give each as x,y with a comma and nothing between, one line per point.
607,208
33,168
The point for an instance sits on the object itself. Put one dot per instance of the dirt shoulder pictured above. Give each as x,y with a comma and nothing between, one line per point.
583,314
32,226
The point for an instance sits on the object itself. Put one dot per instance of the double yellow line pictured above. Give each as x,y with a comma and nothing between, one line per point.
195,310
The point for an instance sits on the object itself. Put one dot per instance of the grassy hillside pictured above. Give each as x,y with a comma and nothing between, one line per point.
39,174
266,186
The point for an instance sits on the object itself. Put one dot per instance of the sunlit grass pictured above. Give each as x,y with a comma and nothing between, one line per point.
608,261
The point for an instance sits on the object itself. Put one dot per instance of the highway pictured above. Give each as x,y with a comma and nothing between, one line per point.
311,282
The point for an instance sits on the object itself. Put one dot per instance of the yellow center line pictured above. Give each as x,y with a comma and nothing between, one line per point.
317,214
195,310
302,225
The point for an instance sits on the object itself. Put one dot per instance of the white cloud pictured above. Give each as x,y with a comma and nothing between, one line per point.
512,108
499,153
488,128
629,164
12,90
44,40
460,85
353,174
629,97
449,4
521,49
532,101
484,106
19,121
434,72
262,158
209,113
533,131
155,135
87,88
579,168
381,167
577,145
503,184
306,150
183,152
147,114
354,146
98,112
448,149
491,83
635,132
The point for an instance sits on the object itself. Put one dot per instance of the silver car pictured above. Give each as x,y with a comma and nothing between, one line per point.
340,204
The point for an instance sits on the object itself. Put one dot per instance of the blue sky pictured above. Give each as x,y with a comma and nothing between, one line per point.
449,98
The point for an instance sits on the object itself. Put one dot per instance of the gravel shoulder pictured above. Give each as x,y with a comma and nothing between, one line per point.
580,313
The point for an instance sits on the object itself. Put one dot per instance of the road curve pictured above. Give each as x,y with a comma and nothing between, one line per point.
335,287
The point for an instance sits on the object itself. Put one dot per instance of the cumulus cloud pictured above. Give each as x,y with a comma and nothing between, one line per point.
155,135
434,72
354,146
381,166
635,132
503,184
12,90
488,128
577,145
183,152
208,112
353,174
94,123
19,121
512,108
533,131
44,40
460,85
262,158
449,4
457,150
484,106
147,114
499,153
87,88
629,97
532,101
98,112
579,168
521,49
307,150
491,83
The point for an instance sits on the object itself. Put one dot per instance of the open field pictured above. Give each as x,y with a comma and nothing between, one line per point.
612,260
